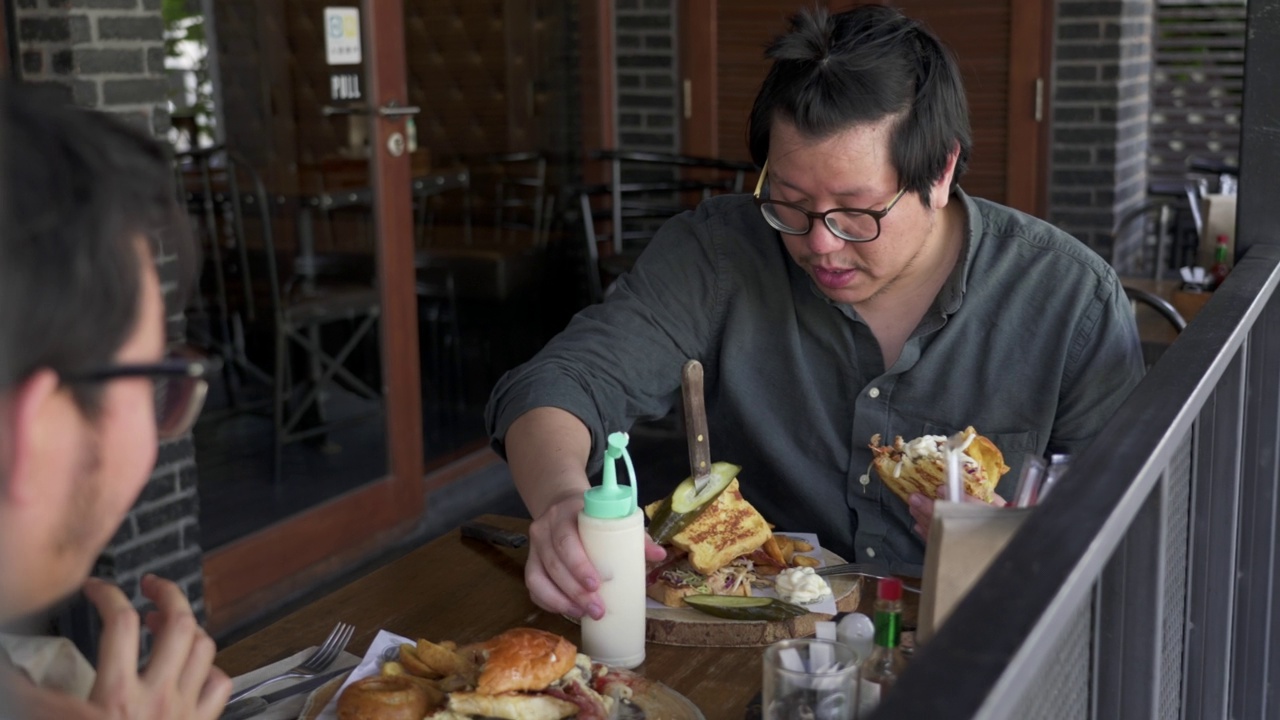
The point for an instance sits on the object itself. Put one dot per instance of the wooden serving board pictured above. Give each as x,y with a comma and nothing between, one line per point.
686,626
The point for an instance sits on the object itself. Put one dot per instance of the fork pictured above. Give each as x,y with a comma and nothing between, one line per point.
866,569
315,663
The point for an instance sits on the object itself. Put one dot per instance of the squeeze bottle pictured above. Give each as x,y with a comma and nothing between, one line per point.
612,530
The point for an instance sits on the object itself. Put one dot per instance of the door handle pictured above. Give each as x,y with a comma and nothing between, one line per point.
391,109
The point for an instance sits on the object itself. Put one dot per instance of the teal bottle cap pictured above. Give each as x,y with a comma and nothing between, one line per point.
609,499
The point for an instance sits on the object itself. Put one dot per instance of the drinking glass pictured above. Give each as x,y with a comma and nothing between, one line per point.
810,679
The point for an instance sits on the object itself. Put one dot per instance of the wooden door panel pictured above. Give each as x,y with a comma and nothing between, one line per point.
980,32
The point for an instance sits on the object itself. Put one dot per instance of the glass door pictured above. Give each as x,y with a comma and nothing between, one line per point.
314,121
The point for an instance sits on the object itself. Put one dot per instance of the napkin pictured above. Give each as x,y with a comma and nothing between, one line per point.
50,662
289,708
963,540
370,664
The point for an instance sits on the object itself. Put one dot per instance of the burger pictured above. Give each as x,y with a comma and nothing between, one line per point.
921,464
521,674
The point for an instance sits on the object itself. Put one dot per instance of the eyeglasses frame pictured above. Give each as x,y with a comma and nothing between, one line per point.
876,215
180,364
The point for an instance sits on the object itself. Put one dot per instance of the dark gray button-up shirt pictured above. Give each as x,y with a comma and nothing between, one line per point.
1031,341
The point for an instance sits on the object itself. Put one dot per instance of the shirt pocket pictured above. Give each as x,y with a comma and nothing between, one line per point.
1013,446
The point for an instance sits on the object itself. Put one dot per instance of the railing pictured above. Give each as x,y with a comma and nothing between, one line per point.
1142,587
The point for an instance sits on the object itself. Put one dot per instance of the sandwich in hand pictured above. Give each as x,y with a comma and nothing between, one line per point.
712,555
921,465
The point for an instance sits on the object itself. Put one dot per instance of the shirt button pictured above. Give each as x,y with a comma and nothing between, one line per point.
874,392
865,480
871,552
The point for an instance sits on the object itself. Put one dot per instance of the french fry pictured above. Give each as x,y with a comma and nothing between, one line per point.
806,561
414,665
772,550
443,661
801,545
392,668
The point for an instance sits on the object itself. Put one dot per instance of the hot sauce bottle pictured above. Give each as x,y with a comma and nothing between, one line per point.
886,662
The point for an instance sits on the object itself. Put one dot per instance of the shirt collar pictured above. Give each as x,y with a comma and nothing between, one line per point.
952,293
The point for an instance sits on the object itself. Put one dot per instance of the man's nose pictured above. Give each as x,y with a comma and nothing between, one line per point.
822,241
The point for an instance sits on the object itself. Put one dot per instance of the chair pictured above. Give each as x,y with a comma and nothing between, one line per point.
520,197
1151,350
302,308
620,217
427,188
438,317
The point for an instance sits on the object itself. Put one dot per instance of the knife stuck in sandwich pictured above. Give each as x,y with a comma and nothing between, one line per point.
695,420
706,479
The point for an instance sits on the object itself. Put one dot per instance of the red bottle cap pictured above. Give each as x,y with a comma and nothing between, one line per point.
889,589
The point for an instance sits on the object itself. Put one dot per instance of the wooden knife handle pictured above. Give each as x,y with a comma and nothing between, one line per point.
695,419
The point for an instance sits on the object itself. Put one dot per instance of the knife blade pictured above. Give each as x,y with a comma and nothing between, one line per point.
253,705
695,422
493,535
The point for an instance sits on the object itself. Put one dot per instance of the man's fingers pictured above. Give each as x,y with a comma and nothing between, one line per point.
118,645
214,694
653,552
544,592
199,662
571,570
174,627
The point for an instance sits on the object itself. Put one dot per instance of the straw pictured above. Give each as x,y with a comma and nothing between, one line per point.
955,486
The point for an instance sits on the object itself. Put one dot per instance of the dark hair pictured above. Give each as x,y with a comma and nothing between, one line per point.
832,72
78,191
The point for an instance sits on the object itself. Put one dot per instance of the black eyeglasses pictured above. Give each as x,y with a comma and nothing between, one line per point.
181,384
848,224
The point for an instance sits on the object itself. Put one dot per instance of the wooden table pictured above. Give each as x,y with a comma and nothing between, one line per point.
466,590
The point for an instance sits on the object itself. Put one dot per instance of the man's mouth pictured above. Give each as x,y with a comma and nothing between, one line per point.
833,278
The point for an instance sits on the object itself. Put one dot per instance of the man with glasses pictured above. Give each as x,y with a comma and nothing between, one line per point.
860,291
86,390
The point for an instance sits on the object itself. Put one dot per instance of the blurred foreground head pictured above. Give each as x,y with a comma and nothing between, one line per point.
86,205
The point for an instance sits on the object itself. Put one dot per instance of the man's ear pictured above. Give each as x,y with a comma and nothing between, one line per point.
28,428
940,193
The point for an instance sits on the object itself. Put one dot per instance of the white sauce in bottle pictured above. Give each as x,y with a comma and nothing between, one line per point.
616,548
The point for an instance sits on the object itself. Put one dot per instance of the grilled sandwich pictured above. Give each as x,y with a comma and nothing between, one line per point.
711,555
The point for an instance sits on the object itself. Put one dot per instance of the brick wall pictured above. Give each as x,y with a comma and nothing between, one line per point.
1101,101
648,86
109,55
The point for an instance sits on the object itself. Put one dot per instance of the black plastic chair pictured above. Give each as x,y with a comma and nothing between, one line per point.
302,309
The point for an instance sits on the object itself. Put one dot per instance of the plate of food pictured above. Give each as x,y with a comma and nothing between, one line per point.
729,580
521,674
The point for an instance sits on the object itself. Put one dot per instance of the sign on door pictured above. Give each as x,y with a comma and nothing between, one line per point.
342,35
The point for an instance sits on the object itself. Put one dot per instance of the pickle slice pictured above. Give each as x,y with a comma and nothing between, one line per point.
735,607
683,506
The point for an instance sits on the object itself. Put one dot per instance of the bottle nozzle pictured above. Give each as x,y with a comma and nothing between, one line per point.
611,499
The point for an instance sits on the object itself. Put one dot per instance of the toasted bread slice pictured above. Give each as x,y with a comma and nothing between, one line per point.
731,527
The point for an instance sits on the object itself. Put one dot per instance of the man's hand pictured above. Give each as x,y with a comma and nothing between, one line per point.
921,509
559,575
179,681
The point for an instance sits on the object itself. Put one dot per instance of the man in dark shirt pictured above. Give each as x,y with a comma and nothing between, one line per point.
860,291
85,389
